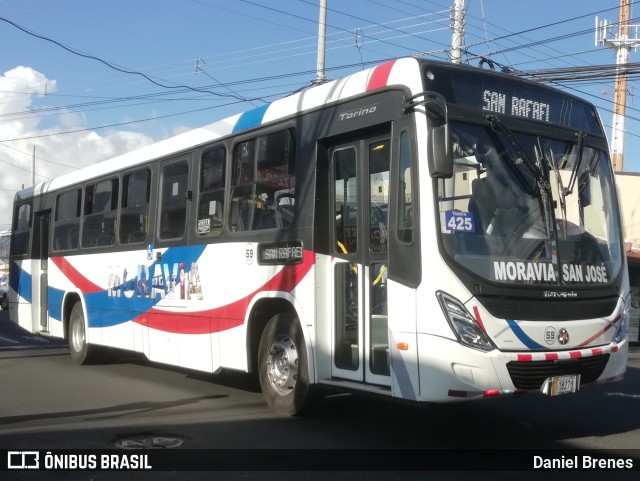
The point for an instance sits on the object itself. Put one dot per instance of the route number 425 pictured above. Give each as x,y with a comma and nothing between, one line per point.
460,221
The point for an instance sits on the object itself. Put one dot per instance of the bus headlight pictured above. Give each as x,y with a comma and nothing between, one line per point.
623,327
463,323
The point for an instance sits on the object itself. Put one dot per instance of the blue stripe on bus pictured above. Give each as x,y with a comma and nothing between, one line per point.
105,310
251,118
524,339
116,309
24,289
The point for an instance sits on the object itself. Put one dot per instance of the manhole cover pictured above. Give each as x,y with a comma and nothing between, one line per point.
148,441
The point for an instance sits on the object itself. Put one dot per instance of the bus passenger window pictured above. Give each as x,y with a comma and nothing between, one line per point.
67,221
173,209
100,209
21,230
211,196
134,214
264,183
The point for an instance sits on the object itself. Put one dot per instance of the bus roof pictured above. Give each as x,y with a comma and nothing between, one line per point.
390,73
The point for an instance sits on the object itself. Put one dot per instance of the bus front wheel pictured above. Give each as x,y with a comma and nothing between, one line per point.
81,351
282,365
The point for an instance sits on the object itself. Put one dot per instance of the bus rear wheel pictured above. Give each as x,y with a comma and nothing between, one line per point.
81,351
282,365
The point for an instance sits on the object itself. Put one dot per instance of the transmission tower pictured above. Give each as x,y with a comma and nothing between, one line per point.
626,39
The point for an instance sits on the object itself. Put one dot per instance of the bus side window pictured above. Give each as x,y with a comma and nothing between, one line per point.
211,196
100,210
21,230
263,183
175,181
67,221
405,197
134,214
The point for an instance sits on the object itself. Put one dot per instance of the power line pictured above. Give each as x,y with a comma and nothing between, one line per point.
114,67
186,88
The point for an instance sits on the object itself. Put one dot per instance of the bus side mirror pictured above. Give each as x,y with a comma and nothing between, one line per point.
440,145
440,152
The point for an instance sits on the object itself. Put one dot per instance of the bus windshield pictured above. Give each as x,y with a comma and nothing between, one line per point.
529,209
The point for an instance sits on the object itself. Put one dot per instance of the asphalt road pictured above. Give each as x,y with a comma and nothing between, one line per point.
47,402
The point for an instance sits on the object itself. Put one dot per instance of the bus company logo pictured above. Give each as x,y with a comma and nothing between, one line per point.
23,460
563,336
551,336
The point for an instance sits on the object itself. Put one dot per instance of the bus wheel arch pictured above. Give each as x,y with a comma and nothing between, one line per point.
70,300
283,365
76,333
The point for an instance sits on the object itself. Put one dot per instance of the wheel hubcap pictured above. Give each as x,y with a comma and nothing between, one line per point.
77,335
282,365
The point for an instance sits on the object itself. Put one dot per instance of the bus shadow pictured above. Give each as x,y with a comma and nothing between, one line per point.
111,412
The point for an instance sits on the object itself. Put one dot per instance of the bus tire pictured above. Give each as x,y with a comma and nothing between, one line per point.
282,365
81,351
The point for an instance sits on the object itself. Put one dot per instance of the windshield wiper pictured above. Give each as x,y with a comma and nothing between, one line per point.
576,166
544,188
549,159
496,123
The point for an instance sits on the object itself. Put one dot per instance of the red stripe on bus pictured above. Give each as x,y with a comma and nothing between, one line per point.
380,76
478,318
75,277
600,333
551,357
224,317
525,358
575,355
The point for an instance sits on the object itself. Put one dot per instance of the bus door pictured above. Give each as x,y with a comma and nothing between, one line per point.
360,179
40,278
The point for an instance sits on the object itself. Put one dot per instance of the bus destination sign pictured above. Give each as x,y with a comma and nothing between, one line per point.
507,95
279,253
501,103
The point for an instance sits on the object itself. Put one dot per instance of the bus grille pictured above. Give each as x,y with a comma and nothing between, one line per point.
544,309
531,375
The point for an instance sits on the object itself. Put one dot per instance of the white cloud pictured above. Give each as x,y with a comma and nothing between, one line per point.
55,154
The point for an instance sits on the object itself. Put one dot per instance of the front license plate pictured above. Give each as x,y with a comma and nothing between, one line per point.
554,386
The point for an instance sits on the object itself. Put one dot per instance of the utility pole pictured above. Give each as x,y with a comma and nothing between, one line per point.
33,167
626,39
322,37
457,28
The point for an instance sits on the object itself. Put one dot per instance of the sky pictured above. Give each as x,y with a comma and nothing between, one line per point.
85,80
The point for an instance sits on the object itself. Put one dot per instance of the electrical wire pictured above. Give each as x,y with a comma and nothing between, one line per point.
113,66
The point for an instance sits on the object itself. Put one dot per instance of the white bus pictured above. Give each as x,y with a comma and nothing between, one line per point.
418,230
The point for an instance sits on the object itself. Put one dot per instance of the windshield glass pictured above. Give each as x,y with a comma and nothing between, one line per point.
528,209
